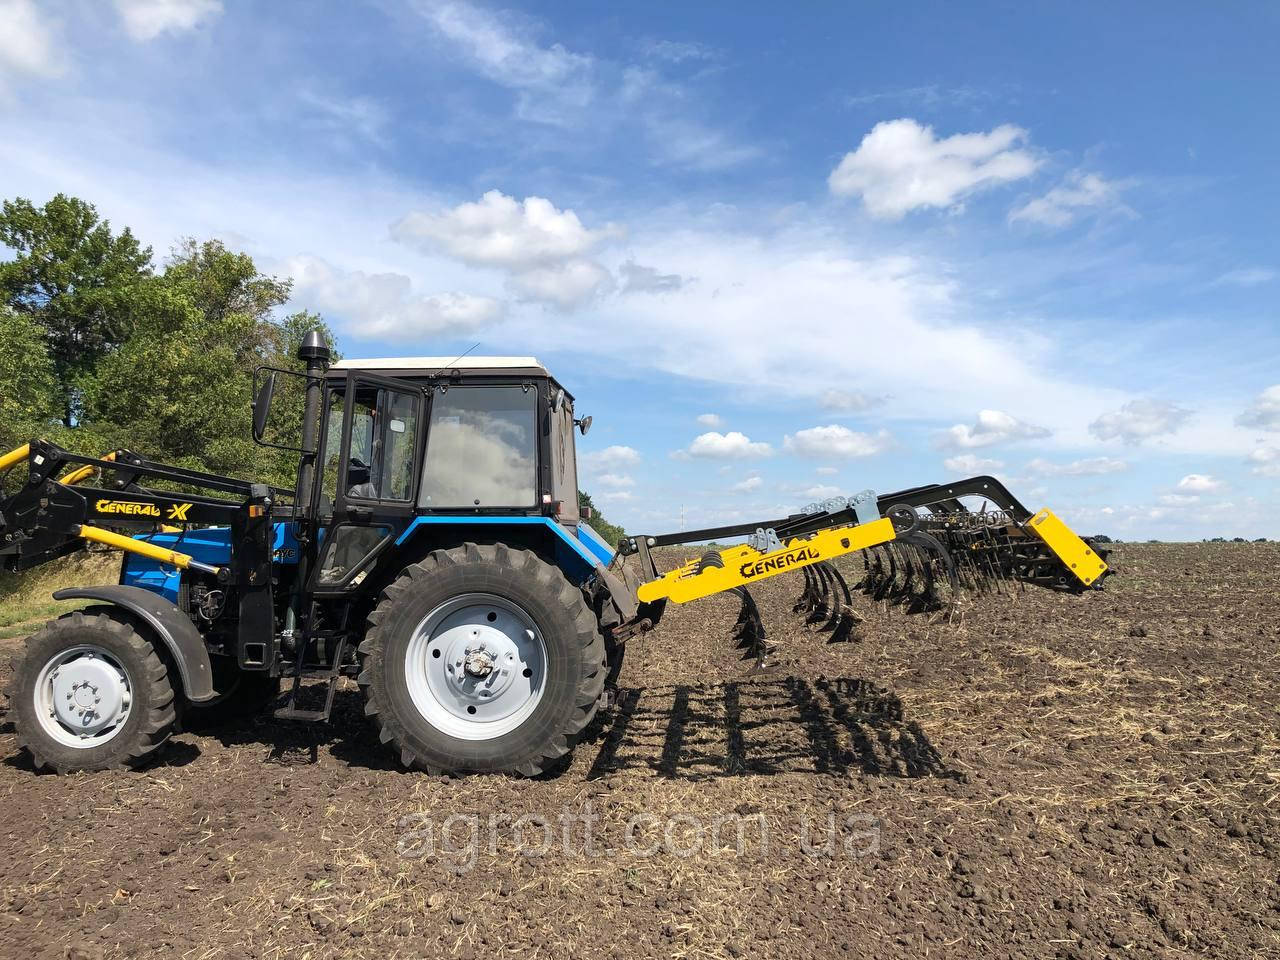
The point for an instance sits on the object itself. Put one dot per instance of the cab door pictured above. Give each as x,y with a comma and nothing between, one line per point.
371,474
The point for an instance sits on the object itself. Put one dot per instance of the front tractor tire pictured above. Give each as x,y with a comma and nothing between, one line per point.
90,693
482,659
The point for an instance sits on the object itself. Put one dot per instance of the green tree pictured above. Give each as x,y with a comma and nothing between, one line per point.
179,388
74,278
28,388
610,532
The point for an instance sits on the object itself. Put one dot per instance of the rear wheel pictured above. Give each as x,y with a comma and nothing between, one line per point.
482,658
90,693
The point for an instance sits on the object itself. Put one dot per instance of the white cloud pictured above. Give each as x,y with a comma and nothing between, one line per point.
835,441
499,231
1266,460
373,305
846,401
1139,420
748,485
616,496
543,250
615,480
1077,193
970,464
147,19
566,285
611,458
892,306
827,471
678,51
902,166
363,116
684,141
27,42
598,97
1091,466
931,95
1199,483
991,427
710,419
1265,411
1179,499
641,279
552,84
822,491
727,446
1245,277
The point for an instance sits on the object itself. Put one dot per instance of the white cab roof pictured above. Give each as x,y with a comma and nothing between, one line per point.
432,364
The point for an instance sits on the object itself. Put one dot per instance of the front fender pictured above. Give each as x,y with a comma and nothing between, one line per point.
166,621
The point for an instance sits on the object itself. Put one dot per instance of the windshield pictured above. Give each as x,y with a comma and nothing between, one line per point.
481,448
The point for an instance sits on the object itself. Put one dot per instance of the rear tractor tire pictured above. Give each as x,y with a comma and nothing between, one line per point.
482,659
90,693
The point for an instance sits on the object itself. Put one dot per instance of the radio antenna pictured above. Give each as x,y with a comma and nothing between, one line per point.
449,366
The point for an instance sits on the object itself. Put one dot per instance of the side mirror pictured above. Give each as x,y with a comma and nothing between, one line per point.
262,405
584,425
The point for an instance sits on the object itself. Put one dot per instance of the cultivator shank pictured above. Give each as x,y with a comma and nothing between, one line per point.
921,549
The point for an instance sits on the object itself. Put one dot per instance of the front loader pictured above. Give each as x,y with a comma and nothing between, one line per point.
432,549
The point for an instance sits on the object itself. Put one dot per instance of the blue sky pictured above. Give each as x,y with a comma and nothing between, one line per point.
779,252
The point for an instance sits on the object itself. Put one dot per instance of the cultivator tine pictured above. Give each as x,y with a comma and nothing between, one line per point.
888,573
937,566
844,619
822,605
808,598
749,632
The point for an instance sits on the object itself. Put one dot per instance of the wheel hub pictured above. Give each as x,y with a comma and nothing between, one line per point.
476,666
478,663
82,694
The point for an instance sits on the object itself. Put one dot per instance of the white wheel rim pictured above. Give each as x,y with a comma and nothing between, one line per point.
83,696
476,667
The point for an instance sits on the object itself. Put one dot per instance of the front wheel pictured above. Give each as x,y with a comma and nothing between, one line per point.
90,693
482,658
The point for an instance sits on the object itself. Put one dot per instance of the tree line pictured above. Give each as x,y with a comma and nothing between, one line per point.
102,347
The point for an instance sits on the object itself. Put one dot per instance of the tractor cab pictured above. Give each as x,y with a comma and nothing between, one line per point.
409,442
477,435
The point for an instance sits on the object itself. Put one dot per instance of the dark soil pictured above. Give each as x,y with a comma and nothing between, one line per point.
1056,776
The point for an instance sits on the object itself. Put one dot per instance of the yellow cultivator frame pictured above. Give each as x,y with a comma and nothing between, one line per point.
743,565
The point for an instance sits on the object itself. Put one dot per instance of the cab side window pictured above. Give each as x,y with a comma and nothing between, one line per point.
384,435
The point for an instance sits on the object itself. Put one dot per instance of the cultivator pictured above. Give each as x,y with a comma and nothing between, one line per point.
921,549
